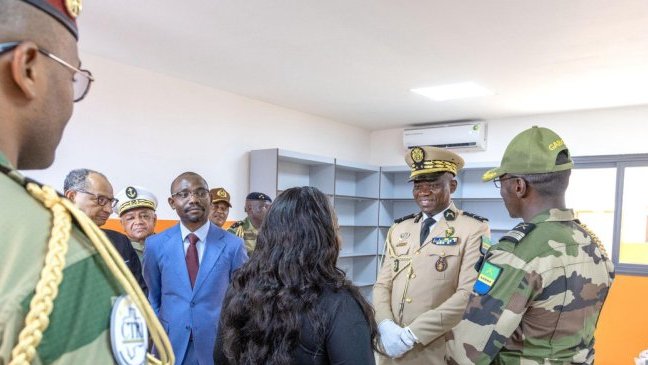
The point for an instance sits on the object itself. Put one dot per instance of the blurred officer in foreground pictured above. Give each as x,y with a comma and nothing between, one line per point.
428,271
59,276
541,288
220,206
256,207
136,210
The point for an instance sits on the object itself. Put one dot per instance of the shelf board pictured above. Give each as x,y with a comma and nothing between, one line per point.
304,158
475,199
357,254
354,166
355,197
357,226
362,283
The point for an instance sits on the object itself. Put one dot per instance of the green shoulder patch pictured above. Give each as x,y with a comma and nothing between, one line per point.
518,232
487,277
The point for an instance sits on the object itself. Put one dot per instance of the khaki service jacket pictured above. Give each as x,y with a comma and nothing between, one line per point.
426,287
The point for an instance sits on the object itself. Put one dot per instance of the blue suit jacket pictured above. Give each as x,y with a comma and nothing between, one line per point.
180,309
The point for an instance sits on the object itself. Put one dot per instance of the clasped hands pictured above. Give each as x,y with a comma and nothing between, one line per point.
396,340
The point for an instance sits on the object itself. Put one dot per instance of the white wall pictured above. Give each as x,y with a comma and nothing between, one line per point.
143,128
587,133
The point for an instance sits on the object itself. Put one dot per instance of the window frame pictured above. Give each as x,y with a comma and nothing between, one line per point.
620,163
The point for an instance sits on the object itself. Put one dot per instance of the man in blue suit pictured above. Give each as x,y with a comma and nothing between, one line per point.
188,268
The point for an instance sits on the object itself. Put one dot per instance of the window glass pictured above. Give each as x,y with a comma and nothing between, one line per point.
634,217
591,195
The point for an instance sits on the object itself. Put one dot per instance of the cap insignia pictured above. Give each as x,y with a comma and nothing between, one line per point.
221,193
73,7
418,155
131,192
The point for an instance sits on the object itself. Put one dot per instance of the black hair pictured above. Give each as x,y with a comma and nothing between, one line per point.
293,263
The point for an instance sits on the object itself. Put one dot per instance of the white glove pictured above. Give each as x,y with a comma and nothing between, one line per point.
407,336
392,335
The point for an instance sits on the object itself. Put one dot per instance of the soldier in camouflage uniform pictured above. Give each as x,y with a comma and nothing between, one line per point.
56,291
428,271
256,207
541,288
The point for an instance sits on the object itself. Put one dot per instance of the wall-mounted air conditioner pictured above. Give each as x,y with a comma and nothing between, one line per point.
466,136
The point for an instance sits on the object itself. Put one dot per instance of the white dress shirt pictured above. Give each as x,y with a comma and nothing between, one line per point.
201,233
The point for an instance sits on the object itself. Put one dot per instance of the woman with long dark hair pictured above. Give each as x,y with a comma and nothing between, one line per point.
290,304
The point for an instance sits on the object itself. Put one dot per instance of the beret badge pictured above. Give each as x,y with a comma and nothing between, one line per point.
73,7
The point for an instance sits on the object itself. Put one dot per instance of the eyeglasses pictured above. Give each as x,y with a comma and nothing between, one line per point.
498,181
100,199
81,79
198,193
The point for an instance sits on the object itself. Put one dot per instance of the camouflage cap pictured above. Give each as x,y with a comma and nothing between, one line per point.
533,151
220,195
64,11
427,160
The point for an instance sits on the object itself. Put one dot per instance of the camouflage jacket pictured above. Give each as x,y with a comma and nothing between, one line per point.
245,229
537,298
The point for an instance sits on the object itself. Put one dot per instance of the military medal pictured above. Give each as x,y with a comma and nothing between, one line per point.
441,264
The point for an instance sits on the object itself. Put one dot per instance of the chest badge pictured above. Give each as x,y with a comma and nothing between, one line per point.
445,241
396,265
128,332
441,264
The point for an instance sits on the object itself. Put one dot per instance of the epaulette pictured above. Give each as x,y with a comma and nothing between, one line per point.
410,216
475,216
594,238
518,232
236,224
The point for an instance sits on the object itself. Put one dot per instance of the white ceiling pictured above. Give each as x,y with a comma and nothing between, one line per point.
355,60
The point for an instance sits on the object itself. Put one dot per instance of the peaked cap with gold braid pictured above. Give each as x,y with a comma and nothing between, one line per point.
427,160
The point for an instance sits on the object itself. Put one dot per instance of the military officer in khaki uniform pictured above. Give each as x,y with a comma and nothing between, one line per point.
429,263
256,207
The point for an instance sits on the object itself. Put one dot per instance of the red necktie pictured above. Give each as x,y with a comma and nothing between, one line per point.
192,258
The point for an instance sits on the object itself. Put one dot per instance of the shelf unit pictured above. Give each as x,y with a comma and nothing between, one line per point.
367,199
354,192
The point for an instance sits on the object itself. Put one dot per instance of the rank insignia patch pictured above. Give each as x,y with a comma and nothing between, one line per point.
487,277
